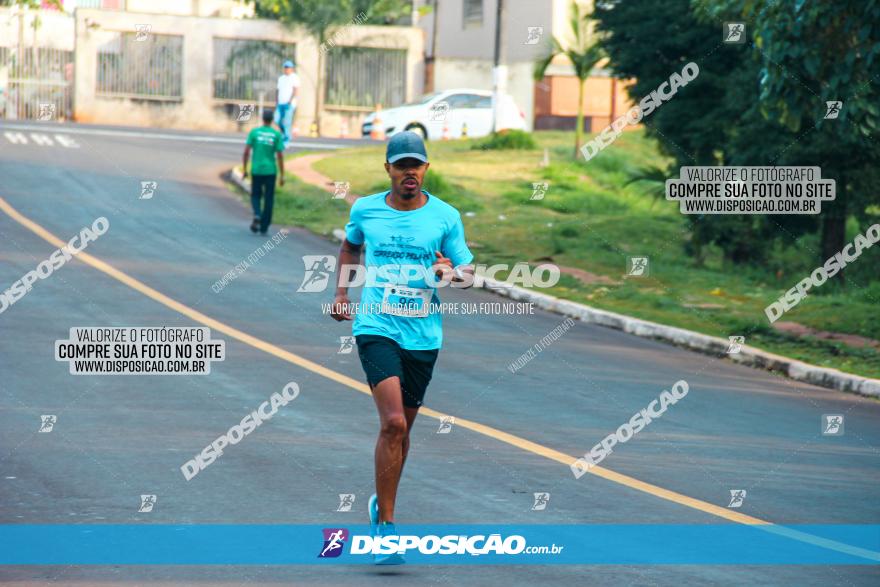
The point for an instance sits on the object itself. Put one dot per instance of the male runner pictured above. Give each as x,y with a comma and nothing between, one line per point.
267,145
398,332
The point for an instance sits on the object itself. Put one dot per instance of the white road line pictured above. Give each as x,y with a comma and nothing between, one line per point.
161,136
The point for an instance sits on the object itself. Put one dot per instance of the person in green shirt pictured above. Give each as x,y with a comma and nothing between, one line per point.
268,146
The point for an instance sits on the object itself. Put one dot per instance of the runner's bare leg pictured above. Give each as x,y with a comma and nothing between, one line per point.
393,436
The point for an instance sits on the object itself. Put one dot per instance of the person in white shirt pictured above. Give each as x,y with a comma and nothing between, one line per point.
285,100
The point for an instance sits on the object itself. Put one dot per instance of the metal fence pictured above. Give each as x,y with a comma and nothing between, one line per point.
36,83
364,77
243,68
141,65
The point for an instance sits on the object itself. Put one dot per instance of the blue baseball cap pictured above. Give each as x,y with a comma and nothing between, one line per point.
288,63
404,145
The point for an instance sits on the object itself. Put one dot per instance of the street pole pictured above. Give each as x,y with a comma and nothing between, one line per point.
499,72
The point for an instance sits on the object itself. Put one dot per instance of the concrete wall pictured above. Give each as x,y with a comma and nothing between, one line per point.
465,54
455,41
556,96
197,107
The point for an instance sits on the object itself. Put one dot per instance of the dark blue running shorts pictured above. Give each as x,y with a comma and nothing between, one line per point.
381,358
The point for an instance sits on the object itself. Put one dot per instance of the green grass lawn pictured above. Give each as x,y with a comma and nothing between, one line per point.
589,219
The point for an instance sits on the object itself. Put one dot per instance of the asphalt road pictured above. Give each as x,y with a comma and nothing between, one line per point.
117,437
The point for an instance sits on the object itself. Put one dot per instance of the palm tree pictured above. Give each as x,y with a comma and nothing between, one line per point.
583,53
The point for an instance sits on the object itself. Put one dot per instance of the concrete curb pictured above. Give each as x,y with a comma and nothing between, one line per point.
710,345
236,178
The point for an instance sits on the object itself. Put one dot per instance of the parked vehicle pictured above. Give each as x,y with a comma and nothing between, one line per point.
454,111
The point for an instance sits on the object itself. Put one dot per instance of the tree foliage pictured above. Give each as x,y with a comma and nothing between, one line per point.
583,53
759,103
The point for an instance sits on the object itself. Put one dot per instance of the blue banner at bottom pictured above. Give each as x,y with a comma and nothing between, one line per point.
612,544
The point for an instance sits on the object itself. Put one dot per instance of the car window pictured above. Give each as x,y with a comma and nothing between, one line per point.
425,99
484,102
463,100
455,100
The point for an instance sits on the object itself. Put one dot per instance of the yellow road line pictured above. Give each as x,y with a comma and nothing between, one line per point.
499,435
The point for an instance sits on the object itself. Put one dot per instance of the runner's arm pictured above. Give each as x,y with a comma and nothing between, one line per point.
461,277
349,255
464,277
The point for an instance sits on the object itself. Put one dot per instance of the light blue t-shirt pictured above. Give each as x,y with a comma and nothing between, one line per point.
396,238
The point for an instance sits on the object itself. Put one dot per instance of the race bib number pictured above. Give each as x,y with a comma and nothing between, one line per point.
406,301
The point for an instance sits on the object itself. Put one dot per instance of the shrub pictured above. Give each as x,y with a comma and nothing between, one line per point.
507,139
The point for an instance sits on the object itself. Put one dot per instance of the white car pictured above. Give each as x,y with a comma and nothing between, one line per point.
452,111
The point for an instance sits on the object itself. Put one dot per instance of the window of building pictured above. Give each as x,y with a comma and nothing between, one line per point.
363,77
472,13
139,65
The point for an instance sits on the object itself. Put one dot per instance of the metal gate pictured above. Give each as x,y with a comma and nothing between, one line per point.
36,83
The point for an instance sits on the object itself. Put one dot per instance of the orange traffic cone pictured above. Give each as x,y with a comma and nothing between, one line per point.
377,133
445,136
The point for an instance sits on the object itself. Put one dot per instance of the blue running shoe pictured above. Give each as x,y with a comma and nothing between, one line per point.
373,507
388,529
